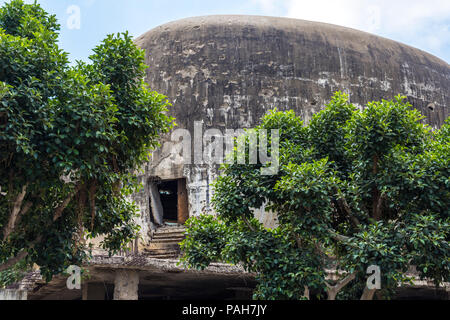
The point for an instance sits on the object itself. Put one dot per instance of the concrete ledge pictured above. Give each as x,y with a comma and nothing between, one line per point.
144,263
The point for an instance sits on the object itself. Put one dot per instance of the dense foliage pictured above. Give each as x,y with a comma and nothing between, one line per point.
71,138
355,188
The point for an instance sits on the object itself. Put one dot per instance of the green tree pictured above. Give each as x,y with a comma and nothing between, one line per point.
355,188
71,138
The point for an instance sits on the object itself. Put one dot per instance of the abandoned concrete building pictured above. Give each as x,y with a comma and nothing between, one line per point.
226,72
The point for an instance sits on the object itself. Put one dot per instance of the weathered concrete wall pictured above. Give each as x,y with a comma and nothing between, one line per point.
228,71
12,294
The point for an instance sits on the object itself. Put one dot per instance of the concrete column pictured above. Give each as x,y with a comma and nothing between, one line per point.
126,285
93,291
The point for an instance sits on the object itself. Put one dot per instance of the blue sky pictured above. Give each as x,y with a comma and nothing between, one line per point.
419,23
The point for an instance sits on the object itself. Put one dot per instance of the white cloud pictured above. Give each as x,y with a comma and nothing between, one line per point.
397,15
271,7
420,23
89,3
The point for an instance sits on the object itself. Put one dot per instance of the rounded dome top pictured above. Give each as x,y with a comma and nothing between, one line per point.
229,70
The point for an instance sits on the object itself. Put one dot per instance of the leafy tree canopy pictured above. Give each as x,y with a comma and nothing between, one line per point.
70,140
355,188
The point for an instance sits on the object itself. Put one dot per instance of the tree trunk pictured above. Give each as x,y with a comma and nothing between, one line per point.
332,291
306,293
15,212
368,294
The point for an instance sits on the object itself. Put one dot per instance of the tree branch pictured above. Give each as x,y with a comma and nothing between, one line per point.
16,210
248,223
334,290
347,210
338,237
65,203
375,191
27,206
345,281
19,257
12,261
91,193
377,212
298,241
319,249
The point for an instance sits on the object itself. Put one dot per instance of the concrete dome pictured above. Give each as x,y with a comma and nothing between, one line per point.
229,70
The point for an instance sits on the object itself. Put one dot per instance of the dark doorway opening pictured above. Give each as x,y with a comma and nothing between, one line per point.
168,201
168,192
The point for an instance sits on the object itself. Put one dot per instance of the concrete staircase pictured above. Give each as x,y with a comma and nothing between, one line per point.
165,242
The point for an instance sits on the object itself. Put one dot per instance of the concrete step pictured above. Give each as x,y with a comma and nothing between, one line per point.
151,255
168,239
177,235
161,253
165,227
170,230
181,231
168,256
164,245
